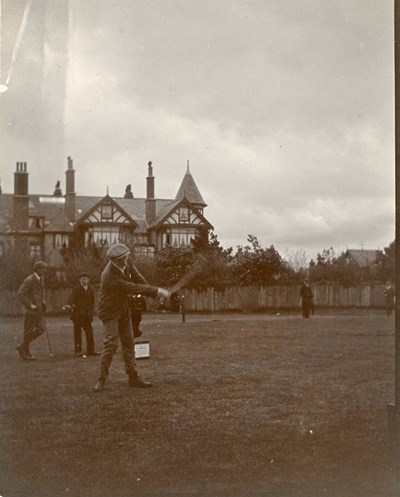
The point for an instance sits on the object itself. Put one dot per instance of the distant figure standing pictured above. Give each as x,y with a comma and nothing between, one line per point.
81,304
31,295
390,298
307,299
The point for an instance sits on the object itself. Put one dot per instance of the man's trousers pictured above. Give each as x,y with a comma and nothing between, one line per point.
121,329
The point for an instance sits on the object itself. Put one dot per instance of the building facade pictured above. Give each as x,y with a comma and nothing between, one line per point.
45,224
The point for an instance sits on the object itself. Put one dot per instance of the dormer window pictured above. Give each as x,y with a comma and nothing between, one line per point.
36,222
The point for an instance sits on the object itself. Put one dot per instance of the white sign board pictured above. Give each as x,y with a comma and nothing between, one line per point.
142,349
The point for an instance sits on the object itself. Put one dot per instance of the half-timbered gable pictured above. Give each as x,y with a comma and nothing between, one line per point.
46,224
178,223
106,223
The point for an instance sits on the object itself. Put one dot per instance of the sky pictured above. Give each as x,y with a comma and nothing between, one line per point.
283,108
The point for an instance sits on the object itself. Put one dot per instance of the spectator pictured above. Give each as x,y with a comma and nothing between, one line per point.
81,304
31,295
307,299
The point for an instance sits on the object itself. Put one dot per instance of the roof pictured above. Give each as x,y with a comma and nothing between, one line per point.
56,220
52,208
189,190
171,206
53,214
363,258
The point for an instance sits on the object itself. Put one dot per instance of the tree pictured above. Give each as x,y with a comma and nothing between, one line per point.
299,262
330,268
255,265
215,261
15,266
206,256
89,259
385,262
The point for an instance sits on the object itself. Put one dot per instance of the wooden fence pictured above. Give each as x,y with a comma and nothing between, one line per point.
245,299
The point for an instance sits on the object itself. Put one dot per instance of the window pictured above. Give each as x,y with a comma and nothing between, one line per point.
36,222
144,251
106,212
34,250
184,214
104,236
178,237
61,241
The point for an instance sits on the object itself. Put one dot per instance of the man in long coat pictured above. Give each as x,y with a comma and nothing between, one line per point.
31,295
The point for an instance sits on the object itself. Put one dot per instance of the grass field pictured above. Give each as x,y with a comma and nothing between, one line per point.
243,406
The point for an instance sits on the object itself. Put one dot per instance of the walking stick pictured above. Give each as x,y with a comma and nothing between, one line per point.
48,338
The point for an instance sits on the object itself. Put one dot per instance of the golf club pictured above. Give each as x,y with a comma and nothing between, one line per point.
48,338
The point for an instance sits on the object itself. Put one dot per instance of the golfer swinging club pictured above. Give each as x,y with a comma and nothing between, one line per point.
113,310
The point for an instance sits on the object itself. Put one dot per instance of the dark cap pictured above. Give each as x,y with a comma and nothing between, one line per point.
40,265
83,275
117,250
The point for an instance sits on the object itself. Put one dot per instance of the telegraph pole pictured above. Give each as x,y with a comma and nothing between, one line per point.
397,242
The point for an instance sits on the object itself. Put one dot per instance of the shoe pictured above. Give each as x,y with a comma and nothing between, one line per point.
78,354
30,357
139,383
94,352
21,352
99,387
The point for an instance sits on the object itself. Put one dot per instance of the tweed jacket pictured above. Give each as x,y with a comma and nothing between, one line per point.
32,292
82,303
134,274
114,291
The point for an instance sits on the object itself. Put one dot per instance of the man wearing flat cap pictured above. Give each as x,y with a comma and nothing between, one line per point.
113,310
31,295
81,305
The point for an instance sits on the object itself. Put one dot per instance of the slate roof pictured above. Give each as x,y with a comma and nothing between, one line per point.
189,190
56,221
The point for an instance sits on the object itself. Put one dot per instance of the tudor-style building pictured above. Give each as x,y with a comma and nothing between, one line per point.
46,224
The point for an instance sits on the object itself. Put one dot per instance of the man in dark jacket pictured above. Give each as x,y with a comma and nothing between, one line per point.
307,299
31,295
113,310
81,304
390,298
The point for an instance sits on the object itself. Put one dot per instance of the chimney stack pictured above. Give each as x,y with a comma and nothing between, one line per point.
150,197
20,218
128,192
70,195
57,190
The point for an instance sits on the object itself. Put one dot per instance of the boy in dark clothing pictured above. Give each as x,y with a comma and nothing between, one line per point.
81,304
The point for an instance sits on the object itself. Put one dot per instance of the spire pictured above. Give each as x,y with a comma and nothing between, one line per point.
189,190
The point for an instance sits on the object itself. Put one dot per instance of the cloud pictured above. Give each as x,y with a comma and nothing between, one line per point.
284,109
